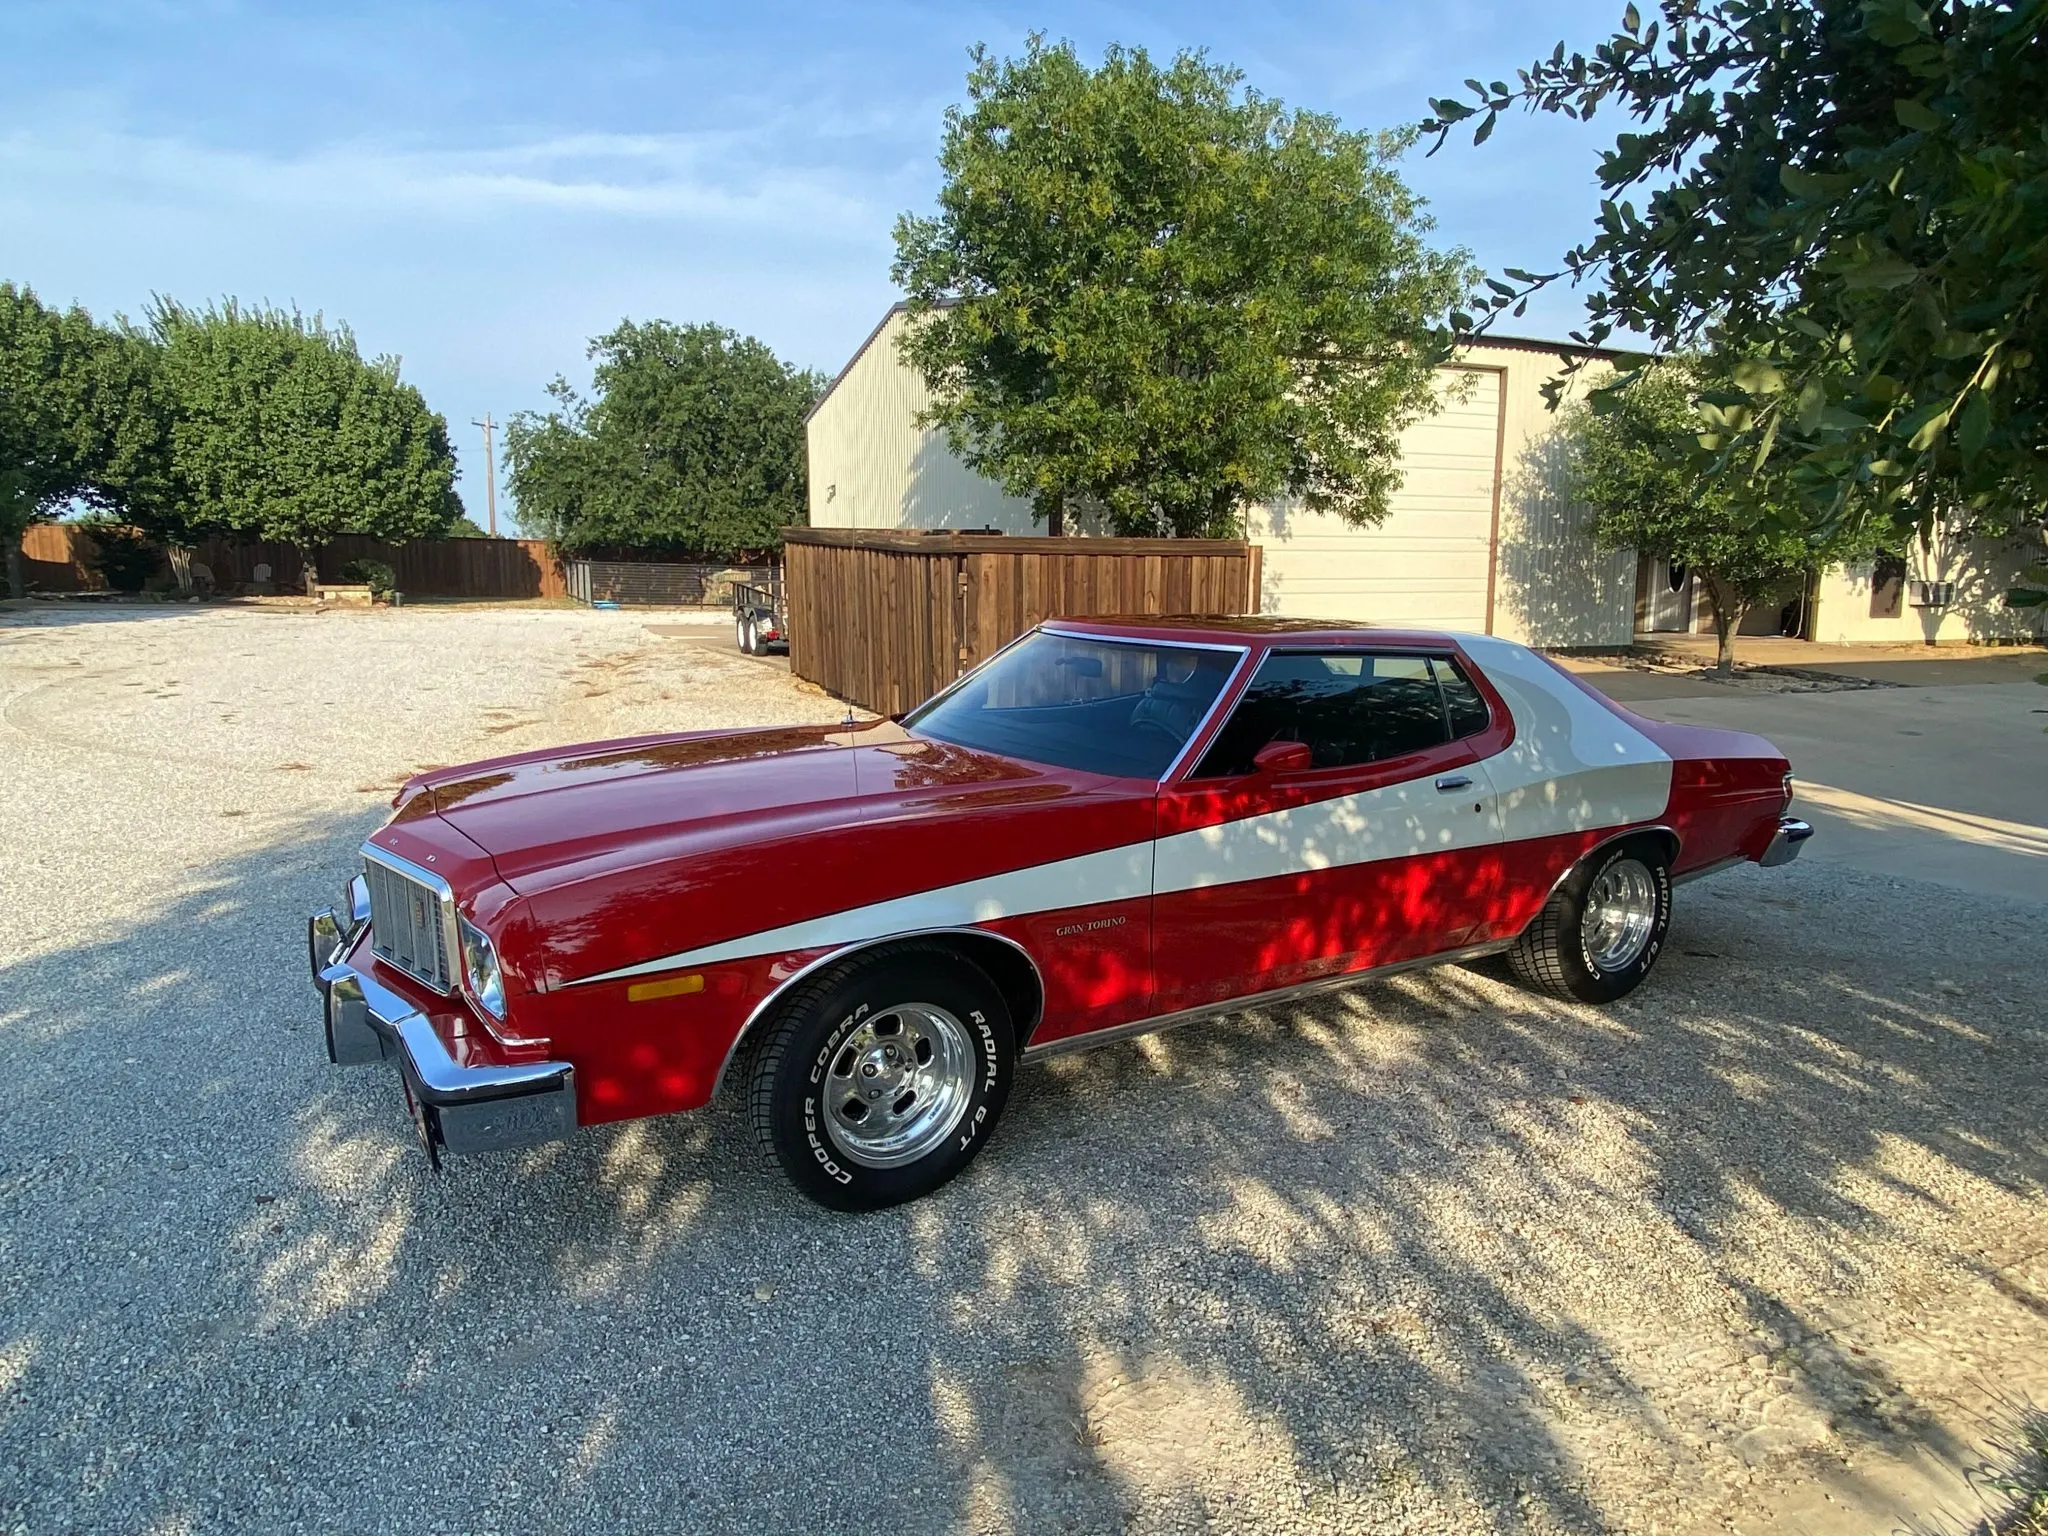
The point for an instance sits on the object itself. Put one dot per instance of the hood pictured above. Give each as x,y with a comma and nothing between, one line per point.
581,809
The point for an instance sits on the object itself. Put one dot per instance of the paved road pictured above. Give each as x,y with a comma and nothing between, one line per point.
1947,784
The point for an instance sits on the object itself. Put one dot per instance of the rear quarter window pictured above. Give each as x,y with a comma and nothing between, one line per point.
1463,702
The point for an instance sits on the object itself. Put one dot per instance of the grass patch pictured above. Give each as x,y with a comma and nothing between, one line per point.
2010,1483
2018,1477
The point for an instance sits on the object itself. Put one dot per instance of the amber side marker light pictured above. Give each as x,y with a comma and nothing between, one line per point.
675,986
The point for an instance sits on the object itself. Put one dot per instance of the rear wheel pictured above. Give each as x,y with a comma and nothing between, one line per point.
882,1078
1601,931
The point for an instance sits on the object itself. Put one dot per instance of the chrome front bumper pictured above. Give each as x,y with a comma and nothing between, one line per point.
1786,841
456,1108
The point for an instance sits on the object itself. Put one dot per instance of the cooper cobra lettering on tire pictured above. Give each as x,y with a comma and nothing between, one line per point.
878,1080
1603,927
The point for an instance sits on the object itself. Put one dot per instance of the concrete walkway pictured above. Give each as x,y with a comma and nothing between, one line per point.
1942,777
1909,666
1942,784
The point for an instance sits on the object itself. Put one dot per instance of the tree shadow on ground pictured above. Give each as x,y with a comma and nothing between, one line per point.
1436,1248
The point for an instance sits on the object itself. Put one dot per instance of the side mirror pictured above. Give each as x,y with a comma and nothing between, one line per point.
1283,757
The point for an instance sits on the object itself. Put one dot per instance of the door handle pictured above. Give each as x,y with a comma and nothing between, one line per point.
1451,783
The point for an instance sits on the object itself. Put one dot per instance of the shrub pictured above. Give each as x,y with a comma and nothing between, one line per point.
125,557
375,574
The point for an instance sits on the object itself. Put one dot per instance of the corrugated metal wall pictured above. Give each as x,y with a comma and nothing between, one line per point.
1552,586
1983,571
873,466
1426,565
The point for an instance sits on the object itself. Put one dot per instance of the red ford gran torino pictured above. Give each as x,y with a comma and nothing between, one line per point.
1111,827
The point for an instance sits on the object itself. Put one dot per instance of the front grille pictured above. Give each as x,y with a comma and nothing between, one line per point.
408,925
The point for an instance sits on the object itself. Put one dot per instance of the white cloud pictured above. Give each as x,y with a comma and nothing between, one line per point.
722,178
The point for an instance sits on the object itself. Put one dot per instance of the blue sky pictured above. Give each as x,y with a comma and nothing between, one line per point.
481,188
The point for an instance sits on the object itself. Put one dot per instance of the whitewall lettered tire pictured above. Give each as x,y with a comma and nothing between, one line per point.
880,1079
1603,928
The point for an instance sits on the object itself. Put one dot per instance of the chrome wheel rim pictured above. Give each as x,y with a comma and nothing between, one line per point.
898,1084
1621,911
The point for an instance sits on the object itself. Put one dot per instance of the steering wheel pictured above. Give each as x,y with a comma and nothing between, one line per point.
1172,737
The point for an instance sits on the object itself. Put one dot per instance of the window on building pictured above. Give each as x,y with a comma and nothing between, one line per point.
1887,586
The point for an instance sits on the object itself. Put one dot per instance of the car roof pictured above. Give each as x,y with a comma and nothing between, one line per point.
1248,629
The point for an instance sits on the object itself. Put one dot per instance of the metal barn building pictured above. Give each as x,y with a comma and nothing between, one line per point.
1480,536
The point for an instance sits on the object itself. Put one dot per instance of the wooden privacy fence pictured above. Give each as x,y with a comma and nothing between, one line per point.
658,584
57,557
886,619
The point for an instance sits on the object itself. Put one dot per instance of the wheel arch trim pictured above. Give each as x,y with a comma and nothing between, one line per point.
1648,829
767,1004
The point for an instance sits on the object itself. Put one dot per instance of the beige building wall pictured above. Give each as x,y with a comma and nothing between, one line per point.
1480,474
873,466
1553,586
1983,572
1426,564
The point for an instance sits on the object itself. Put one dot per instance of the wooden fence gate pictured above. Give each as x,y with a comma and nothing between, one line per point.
886,619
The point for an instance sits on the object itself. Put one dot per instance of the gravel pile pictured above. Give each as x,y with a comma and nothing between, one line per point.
1437,1255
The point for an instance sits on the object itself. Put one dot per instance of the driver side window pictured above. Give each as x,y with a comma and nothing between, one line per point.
1349,708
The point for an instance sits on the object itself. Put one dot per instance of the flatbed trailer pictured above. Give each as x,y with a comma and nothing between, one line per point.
760,615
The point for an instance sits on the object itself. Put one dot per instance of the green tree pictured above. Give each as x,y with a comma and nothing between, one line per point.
1149,289
693,443
1632,461
280,429
80,420
1853,193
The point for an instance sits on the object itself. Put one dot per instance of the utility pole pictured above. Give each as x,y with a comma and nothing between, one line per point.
490,470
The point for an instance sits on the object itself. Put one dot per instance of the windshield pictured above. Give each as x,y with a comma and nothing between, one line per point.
1102,706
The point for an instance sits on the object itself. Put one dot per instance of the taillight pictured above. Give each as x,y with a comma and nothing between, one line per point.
1787,786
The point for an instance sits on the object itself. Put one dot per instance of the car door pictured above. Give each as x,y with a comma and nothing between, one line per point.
1382,847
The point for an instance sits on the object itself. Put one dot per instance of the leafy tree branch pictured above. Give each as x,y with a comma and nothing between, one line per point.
1739,533
692,444
1853,193
1149,291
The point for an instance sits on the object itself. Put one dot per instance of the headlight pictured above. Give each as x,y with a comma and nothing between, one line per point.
480,963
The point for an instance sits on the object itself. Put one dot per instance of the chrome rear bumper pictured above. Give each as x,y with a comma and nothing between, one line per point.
457,1108
1786,841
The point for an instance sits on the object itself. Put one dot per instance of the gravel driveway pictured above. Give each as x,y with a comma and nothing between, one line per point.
1436,1256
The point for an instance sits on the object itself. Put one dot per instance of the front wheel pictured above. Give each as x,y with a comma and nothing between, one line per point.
1602,929
882,1078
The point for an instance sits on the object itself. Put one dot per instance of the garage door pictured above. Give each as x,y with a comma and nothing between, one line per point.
1427,564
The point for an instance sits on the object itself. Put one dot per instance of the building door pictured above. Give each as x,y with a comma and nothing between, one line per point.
1669,600
1427,565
